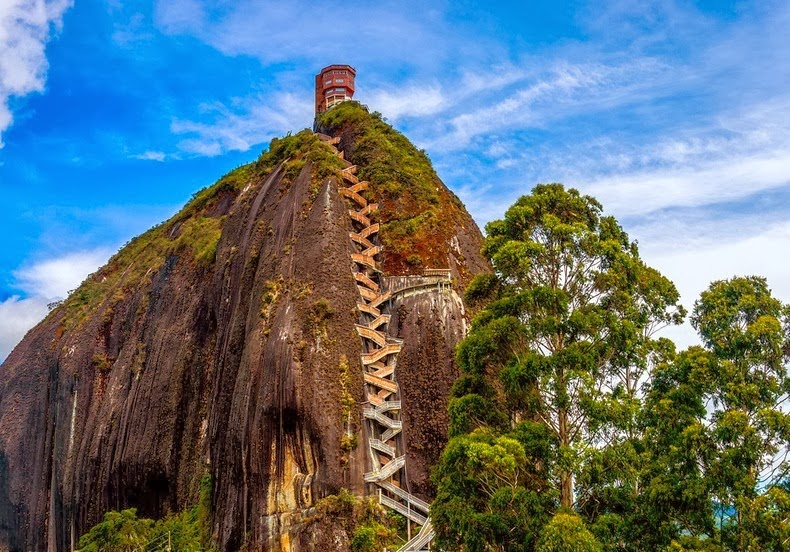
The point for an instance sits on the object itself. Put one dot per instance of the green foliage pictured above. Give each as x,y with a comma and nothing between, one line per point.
371,537
117,532
676,493
418,213
366,523
296,151
566,332
716,432
319,316
202,235
271,291
388,159
567,533
491,489
101,362
340,505
349,440
123,531
747,332
555,359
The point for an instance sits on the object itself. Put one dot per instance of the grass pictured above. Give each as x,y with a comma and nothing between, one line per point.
418,213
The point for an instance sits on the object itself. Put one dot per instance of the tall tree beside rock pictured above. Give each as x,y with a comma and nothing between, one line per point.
564,334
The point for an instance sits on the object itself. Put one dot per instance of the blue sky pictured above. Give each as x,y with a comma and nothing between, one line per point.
676,115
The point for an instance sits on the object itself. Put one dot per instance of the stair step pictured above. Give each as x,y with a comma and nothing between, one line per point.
363,278
360,186
372,229
361,240
370,358
379,321
367,309
386,471
379,338
382,447
354,196
359,217
402,509
381,383
364,260
416,503
420,540
382,298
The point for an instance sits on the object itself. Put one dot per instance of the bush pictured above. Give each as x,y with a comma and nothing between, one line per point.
567,533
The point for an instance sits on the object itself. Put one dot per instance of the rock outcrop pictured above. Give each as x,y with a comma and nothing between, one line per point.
215,344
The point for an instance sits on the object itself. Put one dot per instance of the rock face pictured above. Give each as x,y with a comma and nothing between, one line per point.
215,344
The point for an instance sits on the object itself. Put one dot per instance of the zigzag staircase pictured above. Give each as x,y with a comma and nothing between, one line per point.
380,353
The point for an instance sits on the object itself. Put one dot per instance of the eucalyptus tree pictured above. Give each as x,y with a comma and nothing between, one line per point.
747,332
565,329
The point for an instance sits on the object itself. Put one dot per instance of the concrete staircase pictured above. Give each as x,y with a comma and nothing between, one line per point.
379,359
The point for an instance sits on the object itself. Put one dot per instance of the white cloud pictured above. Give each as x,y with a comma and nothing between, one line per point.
43,282
151,156
17,316
25,27
238,128
285,31
694,266
414,100
54,278
725,179
558,91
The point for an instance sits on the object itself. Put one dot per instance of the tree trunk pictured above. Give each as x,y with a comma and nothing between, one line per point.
566,490
566,477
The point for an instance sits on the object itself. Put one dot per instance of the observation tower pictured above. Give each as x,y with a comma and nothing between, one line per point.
334,84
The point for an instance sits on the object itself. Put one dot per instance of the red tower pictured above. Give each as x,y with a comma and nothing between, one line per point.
334,84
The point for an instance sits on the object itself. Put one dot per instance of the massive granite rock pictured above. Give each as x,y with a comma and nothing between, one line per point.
214,344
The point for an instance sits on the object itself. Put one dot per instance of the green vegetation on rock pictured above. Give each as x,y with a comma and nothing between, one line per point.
193,234
366,524
418,213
